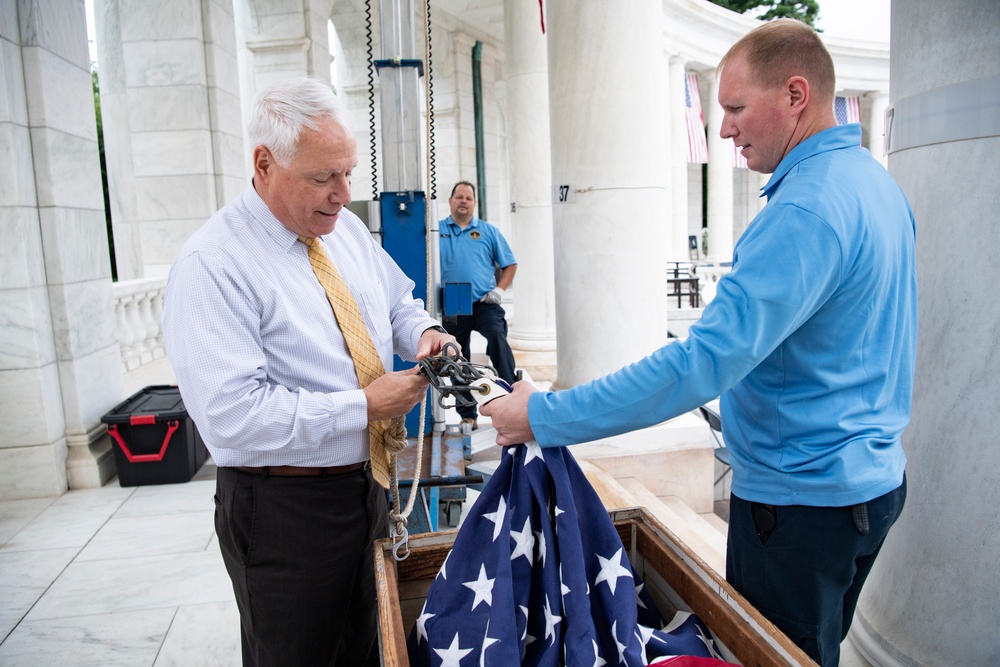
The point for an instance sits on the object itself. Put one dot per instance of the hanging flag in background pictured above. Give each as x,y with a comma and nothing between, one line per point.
538,575
847,109
697,144
738,160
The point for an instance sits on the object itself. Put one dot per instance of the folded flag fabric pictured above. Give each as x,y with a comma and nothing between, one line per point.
538,575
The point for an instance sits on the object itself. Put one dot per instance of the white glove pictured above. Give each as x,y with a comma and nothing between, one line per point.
494,296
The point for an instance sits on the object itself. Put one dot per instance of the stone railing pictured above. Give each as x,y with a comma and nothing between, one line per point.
138,307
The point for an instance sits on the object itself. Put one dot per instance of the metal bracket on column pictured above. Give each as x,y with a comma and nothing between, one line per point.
401,62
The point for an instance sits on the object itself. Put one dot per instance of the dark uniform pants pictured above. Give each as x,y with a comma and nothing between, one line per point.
803,567
299,553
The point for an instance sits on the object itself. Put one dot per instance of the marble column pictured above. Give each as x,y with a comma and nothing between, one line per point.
879,101
608,174
720,178
184,119
285,40
60,363
932,596
678,163
533,332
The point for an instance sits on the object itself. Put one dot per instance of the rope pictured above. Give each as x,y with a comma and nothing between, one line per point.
395,443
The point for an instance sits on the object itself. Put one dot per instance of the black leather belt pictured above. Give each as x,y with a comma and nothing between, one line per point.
301,471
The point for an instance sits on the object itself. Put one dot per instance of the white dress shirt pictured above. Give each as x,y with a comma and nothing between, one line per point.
260,361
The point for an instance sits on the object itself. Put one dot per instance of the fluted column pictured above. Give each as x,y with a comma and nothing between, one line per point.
720,179
533,334
931,598
678,163
609,174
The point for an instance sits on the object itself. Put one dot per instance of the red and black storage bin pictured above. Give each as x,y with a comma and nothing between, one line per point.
154,440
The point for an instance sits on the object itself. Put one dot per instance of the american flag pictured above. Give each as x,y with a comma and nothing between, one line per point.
847,110
538,575
697,143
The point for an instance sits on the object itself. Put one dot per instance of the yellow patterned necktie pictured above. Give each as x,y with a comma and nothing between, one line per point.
367,363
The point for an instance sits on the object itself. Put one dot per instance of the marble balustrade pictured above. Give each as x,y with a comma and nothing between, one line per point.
138,308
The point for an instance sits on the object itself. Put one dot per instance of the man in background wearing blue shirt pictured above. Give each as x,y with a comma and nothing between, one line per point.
471,249
810,341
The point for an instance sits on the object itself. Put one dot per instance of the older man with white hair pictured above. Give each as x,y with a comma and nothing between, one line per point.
281,316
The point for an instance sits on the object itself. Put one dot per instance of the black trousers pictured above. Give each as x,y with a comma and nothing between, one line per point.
804,567
488,320
299,553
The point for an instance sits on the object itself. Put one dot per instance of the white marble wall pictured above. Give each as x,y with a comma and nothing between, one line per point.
59,369
172,70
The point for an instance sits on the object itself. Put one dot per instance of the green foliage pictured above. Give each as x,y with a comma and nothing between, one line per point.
104,172
806,11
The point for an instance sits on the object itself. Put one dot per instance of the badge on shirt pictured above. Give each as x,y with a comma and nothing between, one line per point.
474,235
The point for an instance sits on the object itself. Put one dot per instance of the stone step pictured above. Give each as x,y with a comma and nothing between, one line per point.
697,534
717,521
701,536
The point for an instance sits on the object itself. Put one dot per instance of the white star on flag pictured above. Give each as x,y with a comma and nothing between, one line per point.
612,570
532,451
551,620
487,642
621,647
524,541
482,587
540,540
443,572
422,625
598,660
497,518
452,656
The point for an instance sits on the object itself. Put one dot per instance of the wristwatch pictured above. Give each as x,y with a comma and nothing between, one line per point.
437,327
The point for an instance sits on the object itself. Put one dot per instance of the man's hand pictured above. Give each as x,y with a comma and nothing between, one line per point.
431,341
510,415
395,394
494,296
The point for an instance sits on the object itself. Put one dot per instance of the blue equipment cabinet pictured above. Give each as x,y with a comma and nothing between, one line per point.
404,237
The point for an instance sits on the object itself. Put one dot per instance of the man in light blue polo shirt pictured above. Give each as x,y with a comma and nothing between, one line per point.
471,249
810,340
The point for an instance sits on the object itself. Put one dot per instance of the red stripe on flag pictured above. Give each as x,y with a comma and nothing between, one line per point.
695,122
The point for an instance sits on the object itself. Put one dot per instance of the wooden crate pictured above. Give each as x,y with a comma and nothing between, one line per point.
675,577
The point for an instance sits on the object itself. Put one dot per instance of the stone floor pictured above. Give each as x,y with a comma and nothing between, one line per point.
124,576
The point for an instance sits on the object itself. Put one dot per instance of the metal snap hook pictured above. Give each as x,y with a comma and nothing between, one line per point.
401,543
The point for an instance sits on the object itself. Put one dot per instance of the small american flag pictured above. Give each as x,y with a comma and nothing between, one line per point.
739,161
697,143
847,110
538,575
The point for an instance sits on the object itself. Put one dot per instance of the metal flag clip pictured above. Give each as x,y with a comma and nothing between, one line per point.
400,541
452,375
